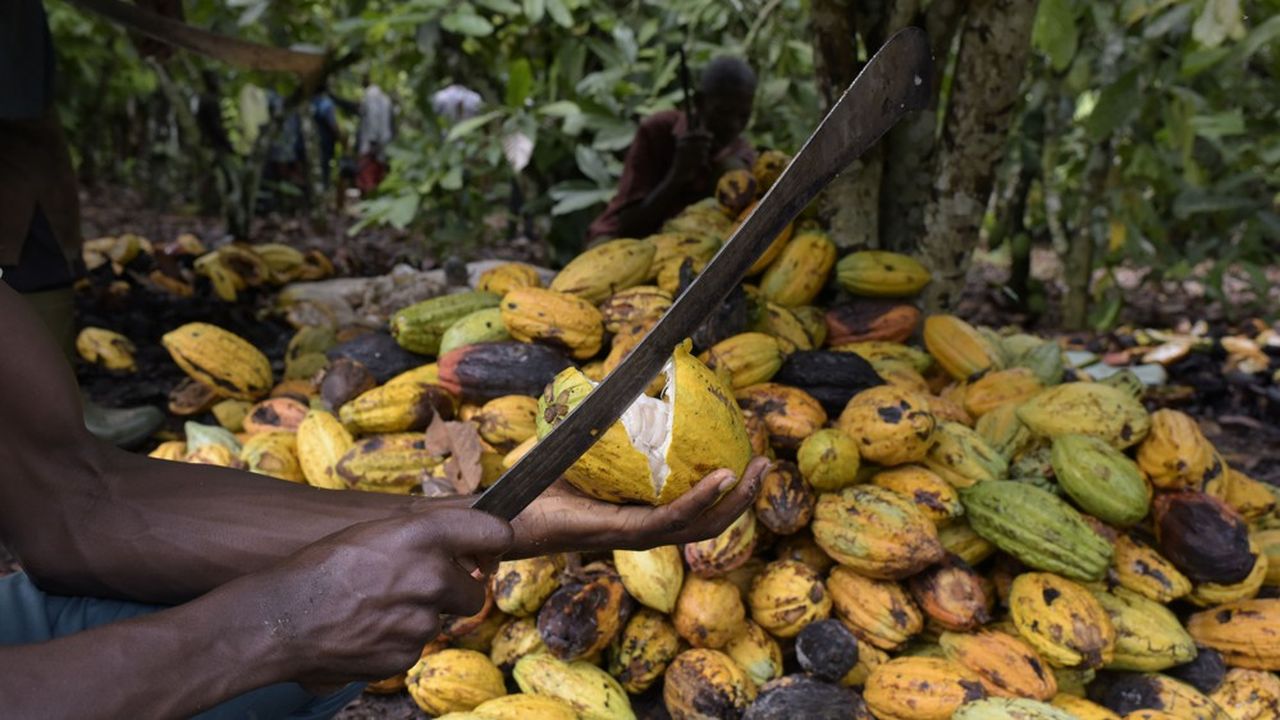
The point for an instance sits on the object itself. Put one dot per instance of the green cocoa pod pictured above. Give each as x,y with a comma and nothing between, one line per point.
1045,361
480,326
420,327
1102,480
1037,527
1149,637
961,457
1127,381
998,708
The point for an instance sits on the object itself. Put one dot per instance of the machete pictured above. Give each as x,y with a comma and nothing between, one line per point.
233,51
895,81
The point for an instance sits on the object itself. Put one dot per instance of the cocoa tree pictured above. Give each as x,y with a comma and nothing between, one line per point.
928,186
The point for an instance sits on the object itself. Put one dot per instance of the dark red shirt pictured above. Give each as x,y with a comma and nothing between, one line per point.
651,155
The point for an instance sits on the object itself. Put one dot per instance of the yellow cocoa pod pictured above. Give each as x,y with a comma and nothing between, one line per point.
1268,542
994,389
718,555
172,450
1086,408
828,460
870,657
1003,431
1248,695
107,348
775,248
814,320
881,351
522,706
274,454
735,190
879,273
506,277
878,612
642,305
279,414
220,359
708,612
516,638
1140,568
605,269
653,577
508,421
958,538
748,358
397,408
891,426
454,681
938,500
555,318
703,684
230,414
590,691
1246,632
662,446
1175,455
757,653
1251,498
1062,620
387,463
647,645
790,414
961,457
920,688
1164,697
786,596
1148,636
958,348
875,532
521,586
950,409
1083,709
213,454
1005,665
800,271
768,167
428,374
783,324
672,248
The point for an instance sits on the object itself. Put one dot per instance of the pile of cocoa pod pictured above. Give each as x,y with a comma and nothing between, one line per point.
958,523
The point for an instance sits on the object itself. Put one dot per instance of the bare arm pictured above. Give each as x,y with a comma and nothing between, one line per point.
645,217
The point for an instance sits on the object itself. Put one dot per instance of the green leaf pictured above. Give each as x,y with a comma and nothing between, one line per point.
1116,105
503,7
625,38
560,108
401,211
1261,36
519,82
1197,61
559,13
1219,20
568,201
534,10
1219,125
470,125
452,180
1054,32
466,22
592,165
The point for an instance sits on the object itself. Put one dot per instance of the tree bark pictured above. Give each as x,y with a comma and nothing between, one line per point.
911,145
994,47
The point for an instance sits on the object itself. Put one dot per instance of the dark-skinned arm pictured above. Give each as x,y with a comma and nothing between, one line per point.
86,518
666,199
358,605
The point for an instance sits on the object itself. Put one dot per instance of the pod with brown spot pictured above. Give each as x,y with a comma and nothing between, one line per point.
875,532
703,684
708,612
891,426
521,586
934,496
920,688
647,645
1005,665
1061,620
516,638
1175,454
790,413
878,612
1249,695
1203,537
723,553
584,616
757,653
952,594
785,503
454,680
786,596
1140,568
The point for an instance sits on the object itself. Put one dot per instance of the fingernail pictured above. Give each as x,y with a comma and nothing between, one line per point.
729,481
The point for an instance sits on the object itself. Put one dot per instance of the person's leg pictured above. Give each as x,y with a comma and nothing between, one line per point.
28,616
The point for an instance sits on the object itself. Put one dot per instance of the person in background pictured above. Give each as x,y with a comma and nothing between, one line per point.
672,164
455,103
324,113
376,131
40,241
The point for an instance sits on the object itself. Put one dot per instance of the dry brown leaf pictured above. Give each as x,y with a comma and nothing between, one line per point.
460,443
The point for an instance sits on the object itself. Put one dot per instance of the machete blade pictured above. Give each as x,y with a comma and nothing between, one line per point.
897,80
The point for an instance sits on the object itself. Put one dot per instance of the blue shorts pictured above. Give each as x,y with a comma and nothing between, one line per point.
29,616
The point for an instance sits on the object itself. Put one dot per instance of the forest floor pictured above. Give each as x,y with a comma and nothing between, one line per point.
1241,416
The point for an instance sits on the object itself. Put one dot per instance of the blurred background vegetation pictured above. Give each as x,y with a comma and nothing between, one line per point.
1140,133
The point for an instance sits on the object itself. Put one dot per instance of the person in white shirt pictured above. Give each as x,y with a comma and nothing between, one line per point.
377,118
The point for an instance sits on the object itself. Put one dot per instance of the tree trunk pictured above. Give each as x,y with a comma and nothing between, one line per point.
994,47
1079,261
911,145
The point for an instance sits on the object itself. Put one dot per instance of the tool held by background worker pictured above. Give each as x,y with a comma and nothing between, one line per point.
894,82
